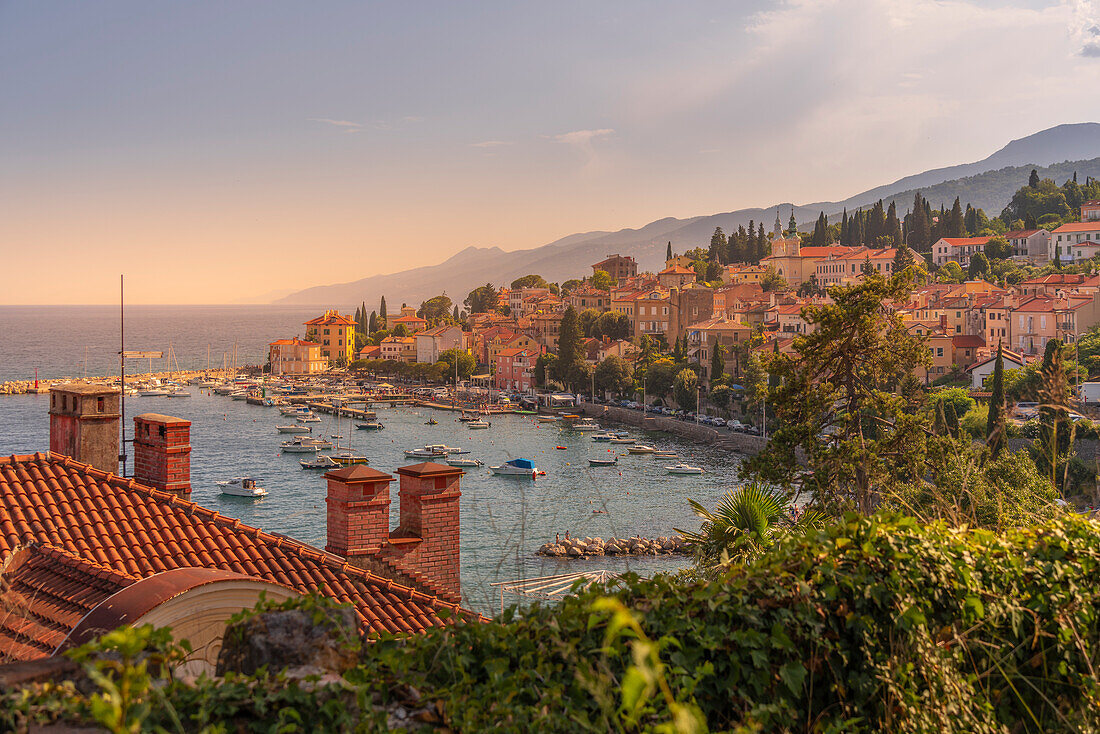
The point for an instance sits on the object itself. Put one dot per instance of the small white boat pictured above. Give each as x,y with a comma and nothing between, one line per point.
224,389
641,448
468,417
430,451
516,468
308,418
602,437
179,392
324,461
603,462
548,418
298,447
464,462
586,424
478,424
622,440
370,426
665,455
242,487
239,395
157,392
293,409
294,428
683,468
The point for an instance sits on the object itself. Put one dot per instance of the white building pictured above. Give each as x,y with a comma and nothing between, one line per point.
1065,237
1031,243
981,370
430,343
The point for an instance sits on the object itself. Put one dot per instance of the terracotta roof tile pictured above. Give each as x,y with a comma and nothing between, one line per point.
168,533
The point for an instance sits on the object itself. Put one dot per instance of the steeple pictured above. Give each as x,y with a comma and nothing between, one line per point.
778,231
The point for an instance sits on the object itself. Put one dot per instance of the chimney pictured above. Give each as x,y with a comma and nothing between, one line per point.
358,511
162,453
84,424
429,496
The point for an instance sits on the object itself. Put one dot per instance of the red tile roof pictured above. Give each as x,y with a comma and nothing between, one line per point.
1017,234
677,270
129,531
293,342
967,340
963,241
1079,227
331,319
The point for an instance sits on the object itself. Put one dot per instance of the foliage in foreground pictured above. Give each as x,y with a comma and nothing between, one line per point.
874,624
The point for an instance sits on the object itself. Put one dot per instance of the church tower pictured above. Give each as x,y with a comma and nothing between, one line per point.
777,231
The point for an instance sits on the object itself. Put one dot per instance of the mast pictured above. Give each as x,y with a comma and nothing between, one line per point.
122,371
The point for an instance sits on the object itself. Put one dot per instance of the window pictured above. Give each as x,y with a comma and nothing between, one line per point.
939,351
99,405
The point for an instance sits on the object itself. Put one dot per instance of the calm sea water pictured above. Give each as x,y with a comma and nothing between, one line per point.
55,339
504,521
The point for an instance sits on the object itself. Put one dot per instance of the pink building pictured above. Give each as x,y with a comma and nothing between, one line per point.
515,370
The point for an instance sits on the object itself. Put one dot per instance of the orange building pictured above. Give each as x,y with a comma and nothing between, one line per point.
336,335
295,357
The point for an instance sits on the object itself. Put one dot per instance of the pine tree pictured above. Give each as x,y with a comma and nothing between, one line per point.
903,258
718,245
668,251
956,226
995,425
893,226
820,235
1033,179
382,312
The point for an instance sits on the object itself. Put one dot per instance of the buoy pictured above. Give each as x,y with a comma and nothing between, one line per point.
559,448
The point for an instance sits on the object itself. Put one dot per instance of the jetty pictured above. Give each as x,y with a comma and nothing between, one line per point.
633,546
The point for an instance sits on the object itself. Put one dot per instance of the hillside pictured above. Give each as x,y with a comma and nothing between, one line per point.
988,184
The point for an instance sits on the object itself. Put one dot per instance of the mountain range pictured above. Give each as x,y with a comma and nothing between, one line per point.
1058,153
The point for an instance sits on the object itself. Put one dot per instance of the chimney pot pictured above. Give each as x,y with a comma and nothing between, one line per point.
84,424
162,453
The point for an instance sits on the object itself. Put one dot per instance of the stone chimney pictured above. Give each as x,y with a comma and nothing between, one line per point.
84,424
162,453
423,551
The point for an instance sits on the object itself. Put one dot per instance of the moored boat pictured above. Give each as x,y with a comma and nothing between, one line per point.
347,457
603,462
464,462
622,440
299,447
478,424
294,428
641,448
430,451
516,468
602,437
309,417
241,487
323,461
369,426
682,468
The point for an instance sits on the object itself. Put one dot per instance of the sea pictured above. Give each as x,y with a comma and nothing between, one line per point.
503,520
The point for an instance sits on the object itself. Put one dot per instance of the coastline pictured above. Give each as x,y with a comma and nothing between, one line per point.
27,387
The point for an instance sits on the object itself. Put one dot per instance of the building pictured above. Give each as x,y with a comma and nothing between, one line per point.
682,260
128,552
651,314
399,349
617,266
688,306
847,268
585,296
796,263
545,327
517,297
982,369
702,337
1090,211
1031,243
742,274
430,343
336,335
1065,237
676,276
370,351
515,370
959,249
787,319
295,357
407,318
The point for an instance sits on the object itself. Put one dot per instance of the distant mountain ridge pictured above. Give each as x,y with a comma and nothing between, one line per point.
988,184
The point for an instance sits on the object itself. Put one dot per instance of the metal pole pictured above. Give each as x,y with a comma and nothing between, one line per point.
122,371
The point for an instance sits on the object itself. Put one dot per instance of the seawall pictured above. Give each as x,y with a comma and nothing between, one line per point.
741,443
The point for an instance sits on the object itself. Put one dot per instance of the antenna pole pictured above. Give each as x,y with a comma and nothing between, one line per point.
122,370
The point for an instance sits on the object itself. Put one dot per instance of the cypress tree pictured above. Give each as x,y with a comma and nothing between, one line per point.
844,227
994,427
455,315
1029,222
569,344
668,251
957,226
820,235
382,312
717,364
763,248
893,226
1033,179
372,324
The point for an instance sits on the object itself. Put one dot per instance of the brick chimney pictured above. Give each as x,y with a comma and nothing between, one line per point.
423,551
358,511
84,424
162,453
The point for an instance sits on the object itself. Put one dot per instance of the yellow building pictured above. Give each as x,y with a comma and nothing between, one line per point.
295,357
336,335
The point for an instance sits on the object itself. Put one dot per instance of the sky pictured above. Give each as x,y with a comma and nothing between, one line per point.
220,152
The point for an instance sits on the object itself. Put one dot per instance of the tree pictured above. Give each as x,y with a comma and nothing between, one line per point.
466,362
719,246
481,299
998,248
400,330
435,309
613,325
454,315
979,266
717,364
903,258
995,426
685,388
570,285
602,280
530,281
569,345
660,376
372,323
820,236
668,251
382,313
746,522
587,321
952,404
614,375
771,280
1033,179
840,382
544,368
720,395
951,272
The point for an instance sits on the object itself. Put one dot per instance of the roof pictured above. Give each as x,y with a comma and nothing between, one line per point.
115,529
965,241
967,340
408,319
331,318
511,352
293,342
85,388
1019,234
1009,356
1079,227
677,270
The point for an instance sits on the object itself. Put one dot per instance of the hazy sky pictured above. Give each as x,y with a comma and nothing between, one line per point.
216,151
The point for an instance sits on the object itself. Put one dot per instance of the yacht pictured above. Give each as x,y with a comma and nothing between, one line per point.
299,447
346,457
242,487
294,428
464,462
309,417
641,448
683,468
586,424
602,437
323,461
431,451
370,426
622,440
478,424
516,468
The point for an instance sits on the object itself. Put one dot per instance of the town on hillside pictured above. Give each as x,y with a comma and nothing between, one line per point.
1015,282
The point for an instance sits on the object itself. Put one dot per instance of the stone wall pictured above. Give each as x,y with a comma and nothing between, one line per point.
741,443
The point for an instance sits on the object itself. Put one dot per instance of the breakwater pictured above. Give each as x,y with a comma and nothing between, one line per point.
634,546
741,443
25,387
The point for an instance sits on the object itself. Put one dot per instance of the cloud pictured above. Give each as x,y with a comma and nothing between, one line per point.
1091,50
491,144
346,124
583,137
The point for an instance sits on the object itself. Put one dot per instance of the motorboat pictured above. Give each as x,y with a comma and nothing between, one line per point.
309,417
241,487
466,463
665,455
294,428
323,461
225,389
683,468
602,437
431,451
468,417
369,426
516,468
293,409
622,440
478,425
239,395
641,448
603,462
156,392
548,418
299,447
178,392
346,457
586,424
